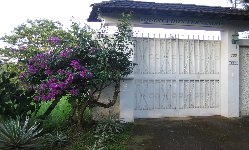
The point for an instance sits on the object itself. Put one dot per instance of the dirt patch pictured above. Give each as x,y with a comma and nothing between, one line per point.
195,133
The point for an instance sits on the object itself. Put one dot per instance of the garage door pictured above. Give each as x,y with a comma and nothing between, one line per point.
176,77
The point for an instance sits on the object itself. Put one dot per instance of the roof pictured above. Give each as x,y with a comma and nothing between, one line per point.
167,9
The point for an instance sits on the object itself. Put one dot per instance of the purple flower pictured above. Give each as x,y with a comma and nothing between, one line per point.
69,79
75,64
61,85
43,86
53,86
54,40
60,71
48,72
66,53
82,74
63,54
51,95
36,98
74,92
57,40
89,75
49,51
32,69
43,97
52,80
23,47
43,65
22,75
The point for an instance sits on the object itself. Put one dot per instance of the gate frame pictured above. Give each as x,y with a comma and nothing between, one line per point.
229,73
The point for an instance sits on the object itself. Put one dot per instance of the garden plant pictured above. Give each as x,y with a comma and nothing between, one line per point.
46,64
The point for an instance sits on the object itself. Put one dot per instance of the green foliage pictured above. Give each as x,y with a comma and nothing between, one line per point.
83,69
105,133
31,38
59,115
87,141
57,140
14,98
17,135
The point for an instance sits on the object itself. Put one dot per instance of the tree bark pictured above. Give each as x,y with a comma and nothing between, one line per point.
81,110
50,109
93,103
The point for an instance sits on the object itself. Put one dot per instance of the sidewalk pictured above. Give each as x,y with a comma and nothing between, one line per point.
197,133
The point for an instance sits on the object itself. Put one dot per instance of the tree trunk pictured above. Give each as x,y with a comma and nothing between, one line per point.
50,109
81,109
73,117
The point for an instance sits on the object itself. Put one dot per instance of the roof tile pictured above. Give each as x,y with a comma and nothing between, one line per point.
139,6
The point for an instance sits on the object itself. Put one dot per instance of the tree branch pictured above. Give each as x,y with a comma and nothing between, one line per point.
94,102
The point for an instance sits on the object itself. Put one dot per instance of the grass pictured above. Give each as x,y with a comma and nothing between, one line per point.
58,116
79,140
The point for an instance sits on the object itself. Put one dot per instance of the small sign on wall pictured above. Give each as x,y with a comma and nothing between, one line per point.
234,55
233,62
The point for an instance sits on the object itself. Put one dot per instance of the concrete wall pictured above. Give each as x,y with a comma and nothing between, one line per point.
244,77
229,74
100,113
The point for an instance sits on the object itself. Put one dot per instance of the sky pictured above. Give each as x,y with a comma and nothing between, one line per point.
16,12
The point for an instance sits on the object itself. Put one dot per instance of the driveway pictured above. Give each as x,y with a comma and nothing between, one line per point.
194,133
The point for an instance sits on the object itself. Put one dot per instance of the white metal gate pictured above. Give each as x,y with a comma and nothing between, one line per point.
176,77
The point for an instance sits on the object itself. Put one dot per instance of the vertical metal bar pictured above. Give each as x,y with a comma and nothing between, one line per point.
209,93
204,56
171,54
160,61
219,59
177,72
149,53
184,102
184,59
194,93
165,52
142,98
142,54
194,56
155,53
166,94
199,56
188,58
154,94
200,89
189,95
209,56
159,96
205,94
215,94
135,55
171,92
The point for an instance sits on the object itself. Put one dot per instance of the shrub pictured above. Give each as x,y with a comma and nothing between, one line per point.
82,67
105,132
57,140
14,98
17,135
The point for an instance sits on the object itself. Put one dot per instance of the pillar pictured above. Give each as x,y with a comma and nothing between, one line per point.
229,74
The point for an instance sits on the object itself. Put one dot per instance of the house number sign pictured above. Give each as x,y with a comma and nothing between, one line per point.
233,63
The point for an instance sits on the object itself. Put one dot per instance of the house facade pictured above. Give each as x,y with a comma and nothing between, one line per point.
178,77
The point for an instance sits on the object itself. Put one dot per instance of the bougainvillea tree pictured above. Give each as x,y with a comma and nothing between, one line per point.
87,65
